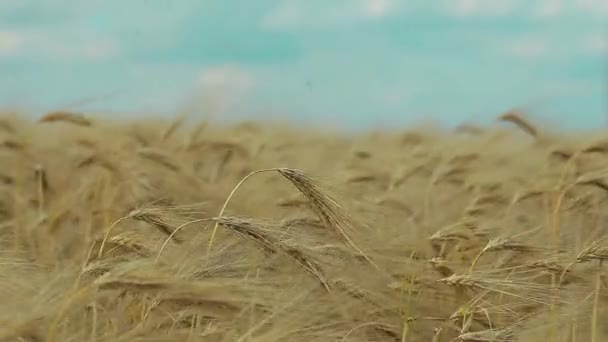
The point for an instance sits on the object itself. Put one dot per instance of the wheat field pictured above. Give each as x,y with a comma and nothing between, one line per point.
152,230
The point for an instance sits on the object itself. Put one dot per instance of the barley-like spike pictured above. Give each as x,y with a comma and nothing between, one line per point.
174,126
131,242
14,145
598,147
7,126
149,216
271,245
158,157
195,135
72,118
505,243
250,230
520,122
593,252
490,335
324,206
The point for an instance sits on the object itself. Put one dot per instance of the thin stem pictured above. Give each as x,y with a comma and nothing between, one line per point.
596,300
173,233
219,216
107,234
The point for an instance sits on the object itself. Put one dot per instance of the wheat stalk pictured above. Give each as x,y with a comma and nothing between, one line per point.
195,135
158,157
170,130
42,186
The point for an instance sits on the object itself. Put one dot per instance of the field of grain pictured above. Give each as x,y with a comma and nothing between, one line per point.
179,231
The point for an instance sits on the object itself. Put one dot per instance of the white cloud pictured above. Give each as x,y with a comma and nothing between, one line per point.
378,8
529,48
536,8
66,46
101,49
593,6
549,8
291,14
226,78
10,43
596,44
466,8
395,95
284,15
220,89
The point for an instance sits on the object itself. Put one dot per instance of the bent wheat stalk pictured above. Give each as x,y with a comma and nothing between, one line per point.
73,118
107,234
324,206
219,216
162,248
172,128
520,122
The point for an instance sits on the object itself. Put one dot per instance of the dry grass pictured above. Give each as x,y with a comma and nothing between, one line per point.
171,231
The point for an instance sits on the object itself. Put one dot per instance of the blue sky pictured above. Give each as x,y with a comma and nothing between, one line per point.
353,62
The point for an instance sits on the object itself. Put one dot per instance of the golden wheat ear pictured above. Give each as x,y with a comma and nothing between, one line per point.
172,128
7,125
270,244
71,118
159,157
12,144
518,120
326,208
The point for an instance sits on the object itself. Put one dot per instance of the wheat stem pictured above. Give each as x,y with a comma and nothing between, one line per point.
596,301
219,216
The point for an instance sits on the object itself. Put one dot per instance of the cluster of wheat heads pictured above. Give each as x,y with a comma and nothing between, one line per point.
161,231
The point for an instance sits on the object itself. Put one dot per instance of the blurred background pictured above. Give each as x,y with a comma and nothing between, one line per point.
350,63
